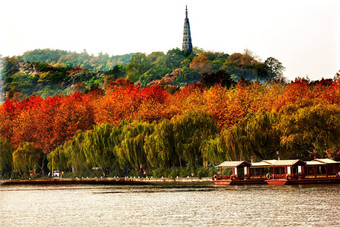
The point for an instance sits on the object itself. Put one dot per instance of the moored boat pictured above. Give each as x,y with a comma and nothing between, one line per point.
283,171
278,172
236,173
318,171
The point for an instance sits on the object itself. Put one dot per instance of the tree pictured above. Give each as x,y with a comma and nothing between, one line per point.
310,129
160,146
26,158
138,65
220,77
76,154
74,113
114,85
9,67
101,146
201,64
254,137
243,66
173,58
274,67
131,151
155,56
213,151
217,63
118,71
187,76
6,158
58,159
228,106
191,132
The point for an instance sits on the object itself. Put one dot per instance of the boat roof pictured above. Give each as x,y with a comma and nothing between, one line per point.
325,160
234,164
287,162
273,162
260,164
314,163
270,161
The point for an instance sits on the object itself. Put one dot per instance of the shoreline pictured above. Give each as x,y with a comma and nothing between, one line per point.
106,181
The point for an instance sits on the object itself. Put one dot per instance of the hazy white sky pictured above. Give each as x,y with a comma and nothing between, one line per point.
303,34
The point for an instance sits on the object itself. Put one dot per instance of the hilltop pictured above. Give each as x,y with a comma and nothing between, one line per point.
57,58
49,72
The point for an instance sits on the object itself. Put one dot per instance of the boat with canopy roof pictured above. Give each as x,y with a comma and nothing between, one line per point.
278,172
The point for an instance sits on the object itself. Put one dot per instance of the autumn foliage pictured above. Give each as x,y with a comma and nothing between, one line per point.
245,115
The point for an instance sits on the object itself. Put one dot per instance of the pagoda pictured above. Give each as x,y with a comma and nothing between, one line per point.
187,45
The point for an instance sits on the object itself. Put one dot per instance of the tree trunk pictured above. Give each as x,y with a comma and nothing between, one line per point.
43,164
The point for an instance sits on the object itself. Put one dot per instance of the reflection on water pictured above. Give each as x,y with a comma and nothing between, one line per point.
164,205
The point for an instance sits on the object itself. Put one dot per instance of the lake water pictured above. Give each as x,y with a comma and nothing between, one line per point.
170,205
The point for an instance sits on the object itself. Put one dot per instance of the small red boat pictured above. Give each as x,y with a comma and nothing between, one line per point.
236,173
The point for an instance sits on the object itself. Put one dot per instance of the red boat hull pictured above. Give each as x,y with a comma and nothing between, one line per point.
303,181
238,182
278,181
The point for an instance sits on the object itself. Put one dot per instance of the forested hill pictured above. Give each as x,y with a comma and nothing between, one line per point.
50,72
102,62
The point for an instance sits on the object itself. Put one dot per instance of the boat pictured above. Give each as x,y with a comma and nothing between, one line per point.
318,171
260,170
236,173
283,171
278,172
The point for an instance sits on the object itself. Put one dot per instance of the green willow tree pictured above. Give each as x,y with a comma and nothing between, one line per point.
76,152
131,151
72,154
6,156
192,130
310,129
26,158
160,146
188,139
213,151
58,159
102,142
253,138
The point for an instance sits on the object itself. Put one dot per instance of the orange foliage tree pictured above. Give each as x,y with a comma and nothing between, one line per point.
125,102
201,64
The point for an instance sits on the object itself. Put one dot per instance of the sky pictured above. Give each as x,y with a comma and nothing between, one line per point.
302,34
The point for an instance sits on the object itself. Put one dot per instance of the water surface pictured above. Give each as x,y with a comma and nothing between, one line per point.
170,205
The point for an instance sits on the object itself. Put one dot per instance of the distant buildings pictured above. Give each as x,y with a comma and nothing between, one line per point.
187,45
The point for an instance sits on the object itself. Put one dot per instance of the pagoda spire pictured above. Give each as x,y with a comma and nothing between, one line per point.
186,11
187,45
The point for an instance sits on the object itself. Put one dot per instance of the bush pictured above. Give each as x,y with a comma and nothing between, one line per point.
159,172
68,175
202,172
212,171
5,175
84,174
114,173
134,173
174,173
184,172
